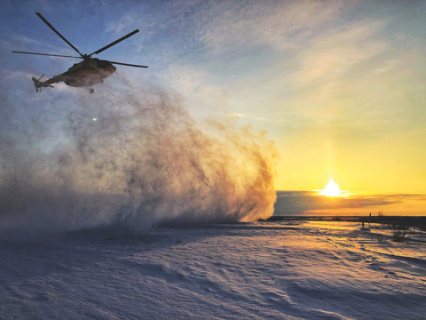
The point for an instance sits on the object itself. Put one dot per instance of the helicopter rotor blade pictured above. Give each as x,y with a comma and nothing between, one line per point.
57,32
128,64
47,54
115,42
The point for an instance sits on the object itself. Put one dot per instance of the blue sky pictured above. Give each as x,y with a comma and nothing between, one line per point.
337,85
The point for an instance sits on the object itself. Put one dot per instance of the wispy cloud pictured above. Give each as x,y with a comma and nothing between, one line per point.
236,115
124,24
282,26
329,57
197,89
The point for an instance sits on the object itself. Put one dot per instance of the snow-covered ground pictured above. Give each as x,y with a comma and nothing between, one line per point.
264,270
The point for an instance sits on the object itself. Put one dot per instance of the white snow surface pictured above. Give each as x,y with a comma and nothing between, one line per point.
263,270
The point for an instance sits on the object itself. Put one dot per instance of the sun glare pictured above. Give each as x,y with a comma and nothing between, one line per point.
331,189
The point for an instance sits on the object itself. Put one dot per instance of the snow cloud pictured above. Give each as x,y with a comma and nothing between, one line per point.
144,161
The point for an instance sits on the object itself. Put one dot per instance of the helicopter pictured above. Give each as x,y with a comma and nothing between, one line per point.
86,73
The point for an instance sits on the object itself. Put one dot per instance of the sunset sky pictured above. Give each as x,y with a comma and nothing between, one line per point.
339,86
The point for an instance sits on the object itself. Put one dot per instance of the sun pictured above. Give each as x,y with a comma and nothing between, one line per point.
331,189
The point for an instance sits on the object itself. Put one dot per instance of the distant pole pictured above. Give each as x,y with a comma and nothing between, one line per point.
369,221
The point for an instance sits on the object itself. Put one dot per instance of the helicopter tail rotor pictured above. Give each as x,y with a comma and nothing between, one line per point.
37,83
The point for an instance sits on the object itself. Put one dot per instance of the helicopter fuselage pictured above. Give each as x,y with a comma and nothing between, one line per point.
88,72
